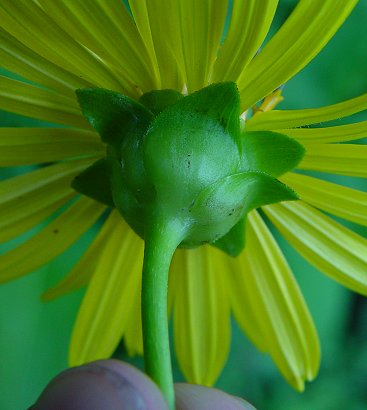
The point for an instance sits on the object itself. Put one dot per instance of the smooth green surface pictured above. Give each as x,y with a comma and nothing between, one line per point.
161,240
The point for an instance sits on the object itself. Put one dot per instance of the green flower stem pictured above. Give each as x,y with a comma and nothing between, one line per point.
161,241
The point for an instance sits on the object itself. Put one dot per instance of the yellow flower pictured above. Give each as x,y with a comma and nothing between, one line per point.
58,46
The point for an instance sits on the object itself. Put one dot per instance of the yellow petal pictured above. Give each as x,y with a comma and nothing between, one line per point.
164,45
336,199
32,26
24,222
344,159
332,248
265,284
22,146
297,42
106,28
249,24
23,186
28,195
133,335
201,26
18,58
84,269
340,133
243,310
31,101
201,314
106,307
281,119
51,241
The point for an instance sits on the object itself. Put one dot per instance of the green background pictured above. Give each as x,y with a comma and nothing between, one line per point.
34,336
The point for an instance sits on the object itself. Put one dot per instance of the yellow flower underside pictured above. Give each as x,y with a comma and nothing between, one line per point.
201,313
176,44
106,306
266,291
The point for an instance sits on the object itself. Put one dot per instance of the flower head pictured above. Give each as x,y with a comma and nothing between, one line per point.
59,47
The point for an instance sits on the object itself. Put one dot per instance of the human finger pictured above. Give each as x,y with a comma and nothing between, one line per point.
104,384
196,397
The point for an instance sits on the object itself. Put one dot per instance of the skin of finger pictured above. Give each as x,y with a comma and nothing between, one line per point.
196,397
104,384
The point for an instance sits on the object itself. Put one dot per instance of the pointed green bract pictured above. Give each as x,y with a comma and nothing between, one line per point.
255,189
113,114
121,123
220,206
124,199
95,182
233,242
158,100
265,190
270,152
220,102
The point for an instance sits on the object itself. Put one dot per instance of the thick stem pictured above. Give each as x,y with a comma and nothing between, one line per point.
161,240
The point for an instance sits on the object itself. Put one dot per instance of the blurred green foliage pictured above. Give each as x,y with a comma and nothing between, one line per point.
34,336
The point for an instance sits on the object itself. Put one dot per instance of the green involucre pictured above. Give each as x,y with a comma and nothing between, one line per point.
186,158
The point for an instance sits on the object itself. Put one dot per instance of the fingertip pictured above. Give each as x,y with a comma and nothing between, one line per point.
104,384
196,397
